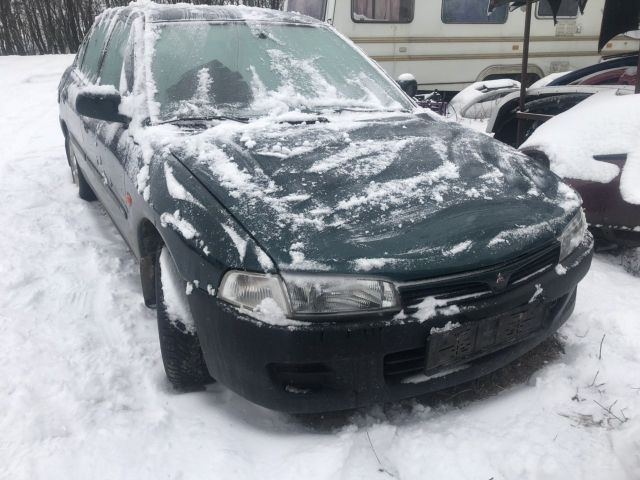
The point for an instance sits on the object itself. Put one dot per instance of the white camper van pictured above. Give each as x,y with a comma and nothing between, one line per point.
449,44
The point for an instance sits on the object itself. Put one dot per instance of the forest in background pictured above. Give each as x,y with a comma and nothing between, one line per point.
31,27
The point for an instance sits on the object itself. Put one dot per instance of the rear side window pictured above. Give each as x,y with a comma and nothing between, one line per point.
472,11
313,8
93,51
568,9
382,11
112,64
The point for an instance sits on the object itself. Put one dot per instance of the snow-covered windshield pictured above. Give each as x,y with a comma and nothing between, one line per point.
246,70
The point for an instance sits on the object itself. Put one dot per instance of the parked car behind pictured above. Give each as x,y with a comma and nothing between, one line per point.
309,237
620,70
558,93
595,147
479,100
549,100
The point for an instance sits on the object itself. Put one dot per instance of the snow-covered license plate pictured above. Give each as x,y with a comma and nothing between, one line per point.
481,337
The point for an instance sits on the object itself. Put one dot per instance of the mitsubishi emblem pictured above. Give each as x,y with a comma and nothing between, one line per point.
501,281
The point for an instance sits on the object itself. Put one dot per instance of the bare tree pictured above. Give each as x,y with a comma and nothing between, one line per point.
29,27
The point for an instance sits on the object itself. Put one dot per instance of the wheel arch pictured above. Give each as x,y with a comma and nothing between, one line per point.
149,244
65,133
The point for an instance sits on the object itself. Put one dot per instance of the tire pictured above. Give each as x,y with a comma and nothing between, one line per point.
179,344
631,261
85,192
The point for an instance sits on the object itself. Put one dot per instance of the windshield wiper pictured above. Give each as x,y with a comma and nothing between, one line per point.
307,121
368,110
206,119
354,109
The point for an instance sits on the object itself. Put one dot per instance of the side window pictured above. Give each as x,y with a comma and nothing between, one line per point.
313,8
472,11
568,9
81,49
129,61
93,51
111,68
382,11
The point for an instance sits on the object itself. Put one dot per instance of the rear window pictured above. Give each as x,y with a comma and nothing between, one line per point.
568,9
312,8
472,11
382,11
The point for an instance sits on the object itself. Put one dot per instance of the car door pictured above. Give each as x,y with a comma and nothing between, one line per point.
76,78
91,156
112,137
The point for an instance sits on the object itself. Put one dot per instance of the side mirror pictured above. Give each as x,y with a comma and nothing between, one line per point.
100,103
409,84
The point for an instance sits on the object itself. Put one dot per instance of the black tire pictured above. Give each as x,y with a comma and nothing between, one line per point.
179,344
85,192
631,261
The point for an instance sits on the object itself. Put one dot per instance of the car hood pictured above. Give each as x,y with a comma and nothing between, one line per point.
407,196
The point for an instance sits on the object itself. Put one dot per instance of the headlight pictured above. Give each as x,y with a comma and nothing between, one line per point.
322,294
253,290
572,235
308,294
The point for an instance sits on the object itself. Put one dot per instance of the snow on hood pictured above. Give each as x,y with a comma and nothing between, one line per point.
399,193
604,124
376,192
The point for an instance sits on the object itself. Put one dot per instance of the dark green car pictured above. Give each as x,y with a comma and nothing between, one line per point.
309,236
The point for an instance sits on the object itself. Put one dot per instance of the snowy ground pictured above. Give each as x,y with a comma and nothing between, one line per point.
83,394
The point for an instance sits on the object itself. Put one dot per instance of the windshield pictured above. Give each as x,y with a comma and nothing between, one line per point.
248,70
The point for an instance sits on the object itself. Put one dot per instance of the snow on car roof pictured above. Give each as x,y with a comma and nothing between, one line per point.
605,123
182,12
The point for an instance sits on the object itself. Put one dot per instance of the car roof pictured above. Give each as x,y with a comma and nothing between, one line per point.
182,12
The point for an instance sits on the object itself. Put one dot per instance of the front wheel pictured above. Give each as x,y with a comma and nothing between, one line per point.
85,192
631,261
179,344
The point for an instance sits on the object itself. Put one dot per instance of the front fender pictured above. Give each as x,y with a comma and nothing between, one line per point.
204,239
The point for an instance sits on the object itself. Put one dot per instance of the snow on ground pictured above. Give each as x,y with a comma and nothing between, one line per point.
83,394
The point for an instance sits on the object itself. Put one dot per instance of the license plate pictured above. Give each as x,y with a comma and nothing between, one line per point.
480,337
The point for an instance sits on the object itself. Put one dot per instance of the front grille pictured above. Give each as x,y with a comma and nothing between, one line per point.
537,264
470,287
413,296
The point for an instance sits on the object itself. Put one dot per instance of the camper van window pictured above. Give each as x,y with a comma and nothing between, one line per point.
471,11
313,8
386,11
568,9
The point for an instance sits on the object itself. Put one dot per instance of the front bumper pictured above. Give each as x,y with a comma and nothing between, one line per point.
334,366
